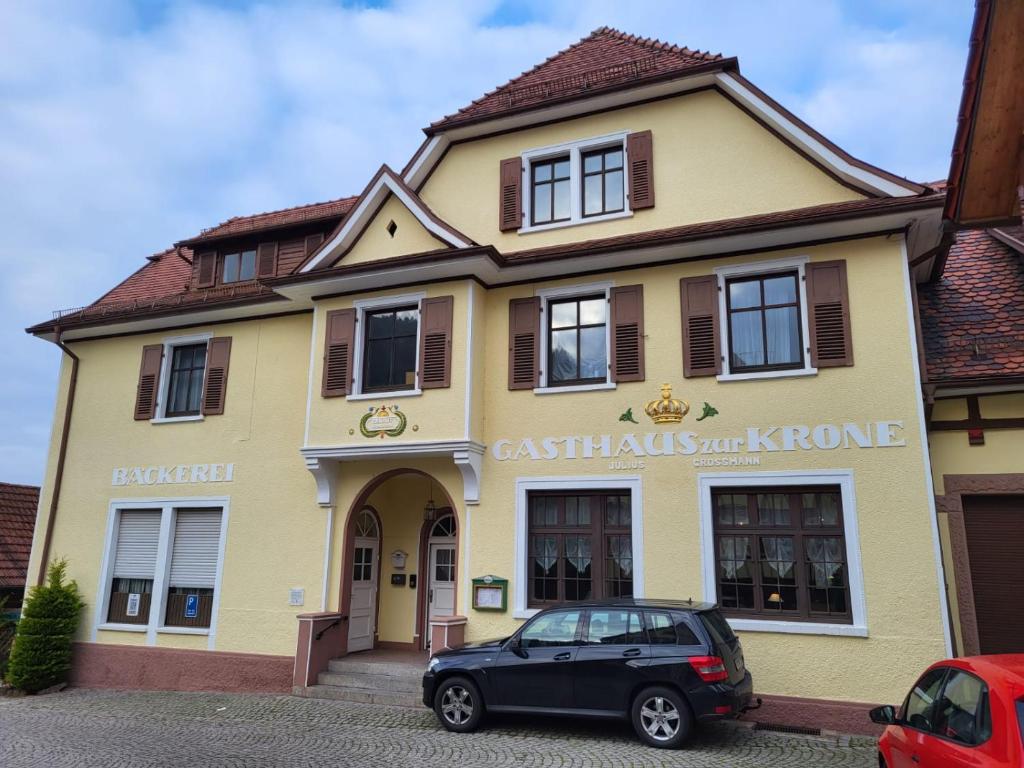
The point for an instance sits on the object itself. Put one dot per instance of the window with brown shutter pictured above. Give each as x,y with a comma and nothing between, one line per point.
524,343
149,378
829,314
218,354
313,242
627,353
338,349
436,342
206,269
701,347
510,199
266,260
640,154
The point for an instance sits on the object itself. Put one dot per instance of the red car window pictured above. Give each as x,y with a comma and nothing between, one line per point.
961,712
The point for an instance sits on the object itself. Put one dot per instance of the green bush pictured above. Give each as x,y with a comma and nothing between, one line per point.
6,636
41,656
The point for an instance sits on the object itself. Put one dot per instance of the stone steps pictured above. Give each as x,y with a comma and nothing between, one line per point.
368,682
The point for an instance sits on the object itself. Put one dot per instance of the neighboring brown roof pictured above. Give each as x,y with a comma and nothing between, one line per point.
286,217
604,60
972,318
17,520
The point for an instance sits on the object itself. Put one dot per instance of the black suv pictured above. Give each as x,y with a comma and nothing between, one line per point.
662,663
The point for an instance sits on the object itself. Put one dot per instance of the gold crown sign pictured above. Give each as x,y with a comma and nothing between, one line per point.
667,410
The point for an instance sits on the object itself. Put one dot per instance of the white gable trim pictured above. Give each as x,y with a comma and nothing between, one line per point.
801,138
365,211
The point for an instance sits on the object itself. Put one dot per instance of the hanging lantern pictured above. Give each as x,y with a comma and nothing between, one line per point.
429,509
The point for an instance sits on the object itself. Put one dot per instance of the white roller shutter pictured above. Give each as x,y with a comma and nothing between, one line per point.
195,548
138,537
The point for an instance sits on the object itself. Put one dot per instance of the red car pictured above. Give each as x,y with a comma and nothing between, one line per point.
961,712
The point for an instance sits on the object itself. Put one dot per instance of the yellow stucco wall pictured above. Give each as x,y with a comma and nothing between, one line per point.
891,492
712,161
376,243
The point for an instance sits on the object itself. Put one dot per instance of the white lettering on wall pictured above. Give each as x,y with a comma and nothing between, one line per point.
176,474
628,450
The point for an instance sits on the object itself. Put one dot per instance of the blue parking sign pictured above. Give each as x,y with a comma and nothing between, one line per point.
191,606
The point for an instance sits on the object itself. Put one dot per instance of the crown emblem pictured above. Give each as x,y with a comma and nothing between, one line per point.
667,410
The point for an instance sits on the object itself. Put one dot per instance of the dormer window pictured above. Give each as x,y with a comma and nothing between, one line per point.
239,266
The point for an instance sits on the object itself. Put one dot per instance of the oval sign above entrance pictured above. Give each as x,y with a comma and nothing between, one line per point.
382,421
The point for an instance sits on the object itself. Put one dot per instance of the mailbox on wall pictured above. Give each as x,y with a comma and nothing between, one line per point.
398,559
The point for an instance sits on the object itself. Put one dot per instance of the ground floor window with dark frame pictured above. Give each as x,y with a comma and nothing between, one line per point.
780,553
580,546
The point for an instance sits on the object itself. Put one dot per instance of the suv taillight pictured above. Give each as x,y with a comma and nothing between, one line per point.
710,668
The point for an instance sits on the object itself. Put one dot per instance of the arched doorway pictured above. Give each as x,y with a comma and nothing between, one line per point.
441,561
365,578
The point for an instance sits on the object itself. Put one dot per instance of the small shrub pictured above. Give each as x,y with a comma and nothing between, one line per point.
6,636
41,656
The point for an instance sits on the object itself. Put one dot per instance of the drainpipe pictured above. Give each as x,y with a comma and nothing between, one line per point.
61,454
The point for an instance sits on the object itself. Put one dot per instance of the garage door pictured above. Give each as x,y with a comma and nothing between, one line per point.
995,542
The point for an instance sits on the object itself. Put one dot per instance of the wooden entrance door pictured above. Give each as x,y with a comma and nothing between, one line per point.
995,541
362,614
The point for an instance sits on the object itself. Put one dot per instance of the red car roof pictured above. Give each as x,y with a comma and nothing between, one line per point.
1006,668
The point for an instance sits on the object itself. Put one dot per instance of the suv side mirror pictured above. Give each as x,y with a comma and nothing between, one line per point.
884,715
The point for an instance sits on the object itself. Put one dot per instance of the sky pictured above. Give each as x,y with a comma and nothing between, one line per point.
125,127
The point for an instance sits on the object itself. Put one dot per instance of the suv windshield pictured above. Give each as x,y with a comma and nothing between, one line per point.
718,628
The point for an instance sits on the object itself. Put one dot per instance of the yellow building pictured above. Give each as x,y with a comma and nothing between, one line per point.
973,329
677,359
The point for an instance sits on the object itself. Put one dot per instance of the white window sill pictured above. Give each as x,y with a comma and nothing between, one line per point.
386,395
798,627
183,630
175,419
528,228
574,388
755,375
527,613
123,628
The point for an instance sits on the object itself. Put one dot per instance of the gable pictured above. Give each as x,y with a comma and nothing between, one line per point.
712,161
376,242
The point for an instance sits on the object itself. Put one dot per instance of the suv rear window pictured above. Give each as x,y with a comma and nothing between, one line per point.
718,628
666,629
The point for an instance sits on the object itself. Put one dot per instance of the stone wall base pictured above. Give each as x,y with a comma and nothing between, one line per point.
98,665
839,716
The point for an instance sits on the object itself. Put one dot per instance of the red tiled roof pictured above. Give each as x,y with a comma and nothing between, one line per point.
300,214
17,520
604,59
972,318
164,273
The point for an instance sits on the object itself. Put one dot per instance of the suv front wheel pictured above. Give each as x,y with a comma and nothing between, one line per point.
661,718
458,705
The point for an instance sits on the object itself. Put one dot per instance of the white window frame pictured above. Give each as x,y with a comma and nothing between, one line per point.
362,306
798,263
567,292
524,485
165,376
708,481
575,150
158,603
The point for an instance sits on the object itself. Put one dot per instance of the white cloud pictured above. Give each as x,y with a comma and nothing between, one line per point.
125,127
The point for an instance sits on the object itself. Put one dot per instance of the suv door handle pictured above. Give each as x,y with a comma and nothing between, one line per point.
562,656
631,652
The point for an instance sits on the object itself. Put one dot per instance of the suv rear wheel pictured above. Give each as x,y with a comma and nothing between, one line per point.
661,718
458,705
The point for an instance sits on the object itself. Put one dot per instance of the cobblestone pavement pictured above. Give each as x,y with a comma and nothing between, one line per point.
117,729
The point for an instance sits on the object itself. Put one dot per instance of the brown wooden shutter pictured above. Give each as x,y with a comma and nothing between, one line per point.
215,384
339,346
149,379
829,314
266,260
313,242
640,152
524,343
510,201
436,342
627,313
206,269
702,355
